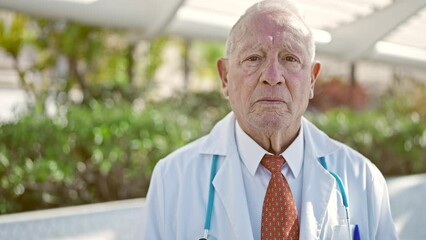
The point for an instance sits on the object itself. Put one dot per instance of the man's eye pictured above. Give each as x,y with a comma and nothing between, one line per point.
291,59
253,58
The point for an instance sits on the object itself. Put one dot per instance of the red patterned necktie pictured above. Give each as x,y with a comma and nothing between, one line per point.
279,213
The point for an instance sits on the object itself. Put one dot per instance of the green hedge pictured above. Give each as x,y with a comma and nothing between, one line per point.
395,142
107,150
102,152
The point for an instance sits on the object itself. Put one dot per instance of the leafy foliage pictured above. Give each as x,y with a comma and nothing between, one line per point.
104,151
395,142
205,55
13,36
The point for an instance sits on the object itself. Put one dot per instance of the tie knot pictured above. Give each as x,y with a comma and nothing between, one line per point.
273,163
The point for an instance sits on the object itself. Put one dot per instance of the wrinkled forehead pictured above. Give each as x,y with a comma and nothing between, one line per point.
275,21
275,25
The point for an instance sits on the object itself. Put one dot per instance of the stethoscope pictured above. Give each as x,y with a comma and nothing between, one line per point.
339,182
342,193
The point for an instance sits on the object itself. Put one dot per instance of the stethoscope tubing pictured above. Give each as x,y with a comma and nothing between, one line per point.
209,209
342,193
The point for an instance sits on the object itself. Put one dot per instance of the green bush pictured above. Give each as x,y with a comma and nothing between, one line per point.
104,151
395,142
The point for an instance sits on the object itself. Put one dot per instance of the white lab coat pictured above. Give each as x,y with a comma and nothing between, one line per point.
177,197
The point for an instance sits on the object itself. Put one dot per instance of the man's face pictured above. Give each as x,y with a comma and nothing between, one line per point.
269,76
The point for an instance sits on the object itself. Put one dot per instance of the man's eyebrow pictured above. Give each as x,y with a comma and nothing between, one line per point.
294,44
251,47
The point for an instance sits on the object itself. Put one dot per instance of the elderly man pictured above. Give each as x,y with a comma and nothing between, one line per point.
265,172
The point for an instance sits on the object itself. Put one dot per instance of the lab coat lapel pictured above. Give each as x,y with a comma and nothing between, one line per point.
317,190
318,184
228,182
230,190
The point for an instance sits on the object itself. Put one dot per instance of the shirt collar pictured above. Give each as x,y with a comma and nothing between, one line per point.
251,153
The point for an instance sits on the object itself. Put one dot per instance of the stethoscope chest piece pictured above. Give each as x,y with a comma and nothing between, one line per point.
208,238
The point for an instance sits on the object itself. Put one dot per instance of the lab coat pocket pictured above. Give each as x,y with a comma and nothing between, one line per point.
342,232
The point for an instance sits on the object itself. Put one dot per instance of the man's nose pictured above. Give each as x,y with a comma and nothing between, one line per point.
272,73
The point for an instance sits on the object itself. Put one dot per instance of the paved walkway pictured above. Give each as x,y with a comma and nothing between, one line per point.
122,220
407,197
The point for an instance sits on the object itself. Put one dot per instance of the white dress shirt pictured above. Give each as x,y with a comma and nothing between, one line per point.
256,177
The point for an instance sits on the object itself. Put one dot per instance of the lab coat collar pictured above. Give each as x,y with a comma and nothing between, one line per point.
228,182
217,142
252,153
320,144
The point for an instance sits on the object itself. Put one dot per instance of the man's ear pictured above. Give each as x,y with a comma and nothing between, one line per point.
222,68
316,68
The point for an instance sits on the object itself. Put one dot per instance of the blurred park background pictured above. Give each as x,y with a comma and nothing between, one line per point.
94,93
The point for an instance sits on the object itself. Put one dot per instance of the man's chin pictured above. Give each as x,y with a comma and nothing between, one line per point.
273,120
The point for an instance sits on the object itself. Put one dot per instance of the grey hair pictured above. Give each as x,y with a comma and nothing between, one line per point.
281,8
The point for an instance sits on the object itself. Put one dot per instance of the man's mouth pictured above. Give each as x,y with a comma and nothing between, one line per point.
270,100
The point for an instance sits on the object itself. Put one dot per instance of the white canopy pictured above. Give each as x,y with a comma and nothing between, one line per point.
384,30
